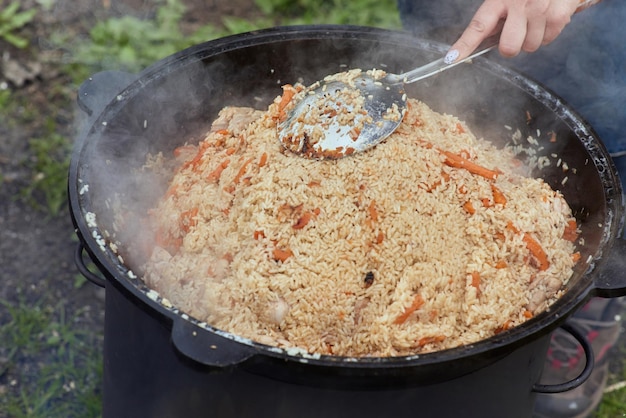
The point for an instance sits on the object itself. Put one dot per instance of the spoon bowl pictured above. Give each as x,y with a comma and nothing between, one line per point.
353,111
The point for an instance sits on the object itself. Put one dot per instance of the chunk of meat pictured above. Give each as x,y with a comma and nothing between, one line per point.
540,293
235,119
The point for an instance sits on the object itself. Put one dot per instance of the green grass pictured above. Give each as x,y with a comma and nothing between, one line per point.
12,20
53,367
50,158
614,400
613,405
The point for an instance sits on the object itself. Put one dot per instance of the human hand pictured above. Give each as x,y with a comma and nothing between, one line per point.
525,25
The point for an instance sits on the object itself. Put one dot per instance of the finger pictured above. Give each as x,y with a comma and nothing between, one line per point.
535,34
561,14
551,33
484,22
513,34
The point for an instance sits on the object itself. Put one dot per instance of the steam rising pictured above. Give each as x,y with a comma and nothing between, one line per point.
144,122
175,102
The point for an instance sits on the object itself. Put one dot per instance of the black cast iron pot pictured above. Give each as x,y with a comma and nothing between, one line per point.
159,362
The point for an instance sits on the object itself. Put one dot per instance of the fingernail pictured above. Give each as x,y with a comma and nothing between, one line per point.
451,56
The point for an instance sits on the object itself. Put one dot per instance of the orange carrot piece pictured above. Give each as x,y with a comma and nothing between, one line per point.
498,196
202,147
282,255
456,161
263,159
429,340
469,208
215,174
380,238
528,314
501,264
372,211
507,325
230,151
242,171
288,92
512,227
570,232
354,133
475,280
552,137
258,235
194,161
431,187
228,257
302,220
417,303
535,249
331,113
576,257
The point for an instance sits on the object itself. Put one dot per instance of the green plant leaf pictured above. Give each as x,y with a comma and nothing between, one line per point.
12,21
8,12
15,40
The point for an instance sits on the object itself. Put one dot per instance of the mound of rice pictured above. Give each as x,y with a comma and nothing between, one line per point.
432,240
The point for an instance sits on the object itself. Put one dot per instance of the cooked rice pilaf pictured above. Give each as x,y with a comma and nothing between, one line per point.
432,240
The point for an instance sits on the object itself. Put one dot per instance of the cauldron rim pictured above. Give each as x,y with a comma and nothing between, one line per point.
495,346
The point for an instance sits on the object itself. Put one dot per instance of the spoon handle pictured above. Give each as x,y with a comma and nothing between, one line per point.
440,65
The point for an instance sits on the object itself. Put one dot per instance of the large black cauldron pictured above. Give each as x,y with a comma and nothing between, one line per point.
161,363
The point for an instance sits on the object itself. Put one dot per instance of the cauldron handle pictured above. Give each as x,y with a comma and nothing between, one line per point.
84,270
208,348
611,281
582,377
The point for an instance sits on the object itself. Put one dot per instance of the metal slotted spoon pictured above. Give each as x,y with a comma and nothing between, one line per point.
372,108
